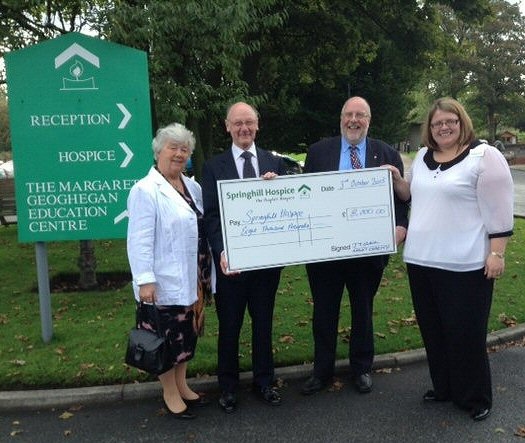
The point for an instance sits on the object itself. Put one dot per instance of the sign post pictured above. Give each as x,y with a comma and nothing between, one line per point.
80,120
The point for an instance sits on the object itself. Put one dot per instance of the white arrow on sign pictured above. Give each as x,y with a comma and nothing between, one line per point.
129,154
120,217
127,116
76,49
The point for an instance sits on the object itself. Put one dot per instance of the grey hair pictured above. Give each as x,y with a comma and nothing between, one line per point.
356,97
174,132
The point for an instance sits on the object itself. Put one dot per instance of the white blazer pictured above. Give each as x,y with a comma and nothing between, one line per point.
163,239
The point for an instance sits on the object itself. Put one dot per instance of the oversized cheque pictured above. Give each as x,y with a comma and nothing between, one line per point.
306,218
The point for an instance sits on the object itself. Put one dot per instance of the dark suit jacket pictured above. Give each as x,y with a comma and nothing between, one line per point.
222,167
324,156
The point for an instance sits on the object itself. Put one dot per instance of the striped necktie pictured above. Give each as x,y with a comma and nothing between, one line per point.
356,164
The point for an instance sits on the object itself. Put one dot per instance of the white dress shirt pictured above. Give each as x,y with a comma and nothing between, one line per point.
239,161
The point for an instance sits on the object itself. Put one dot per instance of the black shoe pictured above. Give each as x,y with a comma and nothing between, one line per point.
480,414
228,402
432,396
363,383
313,385
183,415
201,400
268,394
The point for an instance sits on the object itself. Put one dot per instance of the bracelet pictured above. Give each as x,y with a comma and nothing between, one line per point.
498,254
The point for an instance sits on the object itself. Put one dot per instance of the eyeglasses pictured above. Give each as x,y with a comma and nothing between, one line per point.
356,115
447,123
239,123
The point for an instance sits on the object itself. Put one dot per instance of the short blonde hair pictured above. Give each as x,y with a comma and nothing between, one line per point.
448,104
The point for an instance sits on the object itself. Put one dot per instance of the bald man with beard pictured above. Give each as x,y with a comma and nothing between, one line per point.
361,276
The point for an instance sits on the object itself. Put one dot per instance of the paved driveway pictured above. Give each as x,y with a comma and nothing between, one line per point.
518,175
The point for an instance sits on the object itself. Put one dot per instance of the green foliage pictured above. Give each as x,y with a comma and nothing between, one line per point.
328,51
481,62
297,61
499,64
5,133
90,328
195,54
300,68
467,10
29,22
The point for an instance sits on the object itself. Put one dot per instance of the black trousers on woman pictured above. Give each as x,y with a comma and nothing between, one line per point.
452,310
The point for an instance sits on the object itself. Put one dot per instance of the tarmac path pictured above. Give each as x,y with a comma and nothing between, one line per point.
518,176
393,412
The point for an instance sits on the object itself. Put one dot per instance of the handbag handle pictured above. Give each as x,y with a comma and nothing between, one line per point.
156,317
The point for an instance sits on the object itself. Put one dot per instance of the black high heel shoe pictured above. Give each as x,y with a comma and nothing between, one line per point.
182,415
200,401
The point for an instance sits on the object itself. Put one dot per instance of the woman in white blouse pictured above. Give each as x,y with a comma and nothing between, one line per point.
165,209
461,219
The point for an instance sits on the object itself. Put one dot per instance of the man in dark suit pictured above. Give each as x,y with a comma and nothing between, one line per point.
252,289
361,276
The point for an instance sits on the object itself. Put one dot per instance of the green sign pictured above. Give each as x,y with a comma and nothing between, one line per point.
80,121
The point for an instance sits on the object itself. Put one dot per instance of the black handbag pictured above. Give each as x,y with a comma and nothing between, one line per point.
147,350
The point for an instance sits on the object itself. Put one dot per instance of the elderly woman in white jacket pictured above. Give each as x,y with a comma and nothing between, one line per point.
163,250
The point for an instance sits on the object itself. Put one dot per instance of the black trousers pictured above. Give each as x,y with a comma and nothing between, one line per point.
254,290
327,282
452,310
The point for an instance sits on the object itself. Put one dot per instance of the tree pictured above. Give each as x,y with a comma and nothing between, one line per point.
329,50
26,23
5,137
299,69
450,63
296,60
497,71
481,62
195,52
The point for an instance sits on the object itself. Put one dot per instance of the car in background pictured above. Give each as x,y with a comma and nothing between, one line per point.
7,169
509,155
499,145
292,165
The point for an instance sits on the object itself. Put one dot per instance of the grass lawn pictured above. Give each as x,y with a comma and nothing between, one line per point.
90,328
